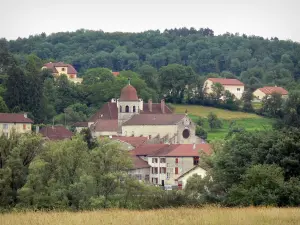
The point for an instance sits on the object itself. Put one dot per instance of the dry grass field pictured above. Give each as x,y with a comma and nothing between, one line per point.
184,216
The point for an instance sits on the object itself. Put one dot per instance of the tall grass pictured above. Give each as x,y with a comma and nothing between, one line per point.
184,216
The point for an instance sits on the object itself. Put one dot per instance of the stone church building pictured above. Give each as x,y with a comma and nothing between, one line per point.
130,116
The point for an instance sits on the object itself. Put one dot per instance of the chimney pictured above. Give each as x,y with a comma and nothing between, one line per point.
25,115
162,105
150,105
37,129
194,146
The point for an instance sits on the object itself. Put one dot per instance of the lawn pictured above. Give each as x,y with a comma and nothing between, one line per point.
248,121
181,216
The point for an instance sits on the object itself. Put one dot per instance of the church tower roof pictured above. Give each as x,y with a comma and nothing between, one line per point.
129,93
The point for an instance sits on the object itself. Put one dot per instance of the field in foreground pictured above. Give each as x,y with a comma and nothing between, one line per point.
248,121
184,216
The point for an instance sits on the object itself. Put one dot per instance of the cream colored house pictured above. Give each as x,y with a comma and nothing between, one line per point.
140,170
169,162
260,93
18,122
234,86
61,68
182,180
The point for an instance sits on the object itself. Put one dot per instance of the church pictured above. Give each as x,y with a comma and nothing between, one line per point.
129,116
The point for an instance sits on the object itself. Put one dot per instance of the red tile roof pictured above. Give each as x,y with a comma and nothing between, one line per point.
139,163
147,149
186,150
224,81
156,109
128,93
134,141
108,111
105,125
270,90
116,73
14,118
52,67
173,150
56,132
154,119
80,124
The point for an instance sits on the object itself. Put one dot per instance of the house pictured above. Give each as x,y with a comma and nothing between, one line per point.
140,170
59,68
115,73
234,86
79,126
19,122
130,116
182,180
56,133
260,93
168,162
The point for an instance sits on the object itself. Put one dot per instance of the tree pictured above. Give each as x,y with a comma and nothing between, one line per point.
260,185
213,121
112,161
95,75
291,110
88,138
16,154
3,107
16,88
217,91
271,105
247,101
200,132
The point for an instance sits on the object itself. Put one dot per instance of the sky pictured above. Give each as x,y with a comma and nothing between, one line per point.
266,18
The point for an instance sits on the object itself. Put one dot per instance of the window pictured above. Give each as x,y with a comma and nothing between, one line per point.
120,108
127,108
176,160
238,89
168,175
133,109
5,126
176,170
62,69
185,133
162,170
132,133
162,160
196,160
154,170
24,126
154,160
154,180
147,177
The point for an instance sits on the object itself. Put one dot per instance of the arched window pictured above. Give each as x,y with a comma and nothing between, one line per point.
133,109
120,108
127,108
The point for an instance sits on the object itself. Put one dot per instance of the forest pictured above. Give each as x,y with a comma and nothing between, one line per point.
165,64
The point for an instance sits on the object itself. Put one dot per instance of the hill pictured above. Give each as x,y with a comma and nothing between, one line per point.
248,121
255,60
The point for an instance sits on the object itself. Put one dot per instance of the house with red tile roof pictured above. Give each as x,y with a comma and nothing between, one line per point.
168,163
55,133
234,86
129,116
260,93
19,122
140,170
59,68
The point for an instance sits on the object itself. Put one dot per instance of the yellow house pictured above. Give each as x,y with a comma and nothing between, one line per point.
260,93
14,121
234,86
60,68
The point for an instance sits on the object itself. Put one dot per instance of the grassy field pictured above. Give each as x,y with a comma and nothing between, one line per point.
181,216
248,121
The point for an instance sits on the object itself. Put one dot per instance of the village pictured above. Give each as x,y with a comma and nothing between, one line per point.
162,144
